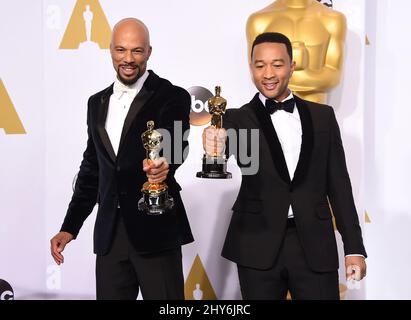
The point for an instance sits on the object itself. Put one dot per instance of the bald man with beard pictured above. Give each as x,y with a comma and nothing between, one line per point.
135,251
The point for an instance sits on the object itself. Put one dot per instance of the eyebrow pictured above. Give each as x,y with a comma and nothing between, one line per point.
275,60
122,47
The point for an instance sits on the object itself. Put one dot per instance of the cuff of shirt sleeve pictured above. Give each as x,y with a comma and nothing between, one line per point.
354,255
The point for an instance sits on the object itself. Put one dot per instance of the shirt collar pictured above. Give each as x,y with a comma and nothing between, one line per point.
264,98
119,88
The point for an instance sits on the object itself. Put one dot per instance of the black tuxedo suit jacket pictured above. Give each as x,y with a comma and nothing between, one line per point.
113,180
260,212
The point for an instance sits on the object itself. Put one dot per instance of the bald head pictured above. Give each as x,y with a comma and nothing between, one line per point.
132,25
130,49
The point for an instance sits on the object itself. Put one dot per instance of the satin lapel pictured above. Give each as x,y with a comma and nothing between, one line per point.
136,106
306,143
270,135
101,122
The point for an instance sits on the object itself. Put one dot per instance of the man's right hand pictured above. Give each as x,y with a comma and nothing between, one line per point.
214,140
58,242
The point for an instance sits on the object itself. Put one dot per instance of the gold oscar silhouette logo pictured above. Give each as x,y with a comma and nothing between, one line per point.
9,119
367,217
198,286
343,291
88,27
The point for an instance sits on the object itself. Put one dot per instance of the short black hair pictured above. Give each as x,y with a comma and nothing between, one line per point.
274,37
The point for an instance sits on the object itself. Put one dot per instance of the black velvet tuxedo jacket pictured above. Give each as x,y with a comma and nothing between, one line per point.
260,212
111,180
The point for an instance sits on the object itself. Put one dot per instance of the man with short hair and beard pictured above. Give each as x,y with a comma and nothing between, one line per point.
281,233
135,251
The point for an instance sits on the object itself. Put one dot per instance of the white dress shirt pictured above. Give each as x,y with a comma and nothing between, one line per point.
120,102
289,132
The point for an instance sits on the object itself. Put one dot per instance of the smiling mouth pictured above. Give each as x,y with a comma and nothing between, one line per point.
128,70
271,85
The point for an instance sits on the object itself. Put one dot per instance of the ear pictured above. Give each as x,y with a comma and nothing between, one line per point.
293,64
149,52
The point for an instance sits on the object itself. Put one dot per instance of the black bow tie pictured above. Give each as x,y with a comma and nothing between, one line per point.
272,106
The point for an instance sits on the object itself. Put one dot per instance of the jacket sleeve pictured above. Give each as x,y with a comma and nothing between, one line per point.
86,188
175,120
340,193
232,143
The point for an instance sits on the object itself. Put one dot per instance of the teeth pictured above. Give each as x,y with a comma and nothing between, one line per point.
270,85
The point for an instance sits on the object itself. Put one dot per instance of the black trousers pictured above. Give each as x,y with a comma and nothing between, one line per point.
122,272
290,272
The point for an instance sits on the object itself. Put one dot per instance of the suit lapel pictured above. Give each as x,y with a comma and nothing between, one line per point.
274,143
270,135
136,106
101,121
306,143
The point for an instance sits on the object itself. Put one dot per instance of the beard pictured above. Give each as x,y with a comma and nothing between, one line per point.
131,81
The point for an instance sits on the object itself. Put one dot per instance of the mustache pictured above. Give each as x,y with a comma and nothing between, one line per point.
129,81
132,65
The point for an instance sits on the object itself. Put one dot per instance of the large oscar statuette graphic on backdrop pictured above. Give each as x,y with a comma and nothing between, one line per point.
317,33
215,165
155,200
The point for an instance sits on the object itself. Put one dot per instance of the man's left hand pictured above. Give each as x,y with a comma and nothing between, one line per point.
355,267
156,170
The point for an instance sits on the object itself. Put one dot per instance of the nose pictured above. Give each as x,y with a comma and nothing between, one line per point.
269,72
128,56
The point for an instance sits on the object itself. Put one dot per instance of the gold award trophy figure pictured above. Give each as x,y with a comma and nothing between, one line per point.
317,34
155,198
215,164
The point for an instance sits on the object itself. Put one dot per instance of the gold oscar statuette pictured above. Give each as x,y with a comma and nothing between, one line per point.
155,198
215,165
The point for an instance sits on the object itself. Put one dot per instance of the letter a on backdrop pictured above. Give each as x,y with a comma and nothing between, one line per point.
9,119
